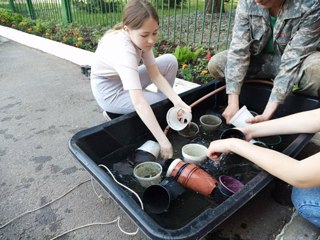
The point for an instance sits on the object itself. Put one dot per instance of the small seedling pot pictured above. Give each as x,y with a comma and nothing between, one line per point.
229,185
151,147
178,118
148,173
239,119
194,153
209,123
190,130
232,133
271,141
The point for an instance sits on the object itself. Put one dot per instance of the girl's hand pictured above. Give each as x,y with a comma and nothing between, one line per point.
183,109
166,150
181,104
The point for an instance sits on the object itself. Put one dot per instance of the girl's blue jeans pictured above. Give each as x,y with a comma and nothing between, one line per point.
307,203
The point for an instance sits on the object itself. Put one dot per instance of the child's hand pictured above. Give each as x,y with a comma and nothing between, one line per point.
216,148
166,151
229,112
183,106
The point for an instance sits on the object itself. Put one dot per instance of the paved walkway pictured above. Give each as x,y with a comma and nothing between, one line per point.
44,100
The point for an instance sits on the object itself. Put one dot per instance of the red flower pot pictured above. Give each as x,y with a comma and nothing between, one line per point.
193,177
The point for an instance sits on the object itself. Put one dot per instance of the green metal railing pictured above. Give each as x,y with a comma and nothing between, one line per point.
193,22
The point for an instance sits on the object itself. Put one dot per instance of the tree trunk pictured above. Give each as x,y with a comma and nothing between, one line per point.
216,7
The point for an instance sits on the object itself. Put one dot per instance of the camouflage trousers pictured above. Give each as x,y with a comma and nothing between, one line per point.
266,66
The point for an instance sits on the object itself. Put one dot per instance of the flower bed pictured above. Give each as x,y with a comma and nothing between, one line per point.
192,61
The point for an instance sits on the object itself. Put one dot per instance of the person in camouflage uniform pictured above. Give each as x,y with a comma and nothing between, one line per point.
272,39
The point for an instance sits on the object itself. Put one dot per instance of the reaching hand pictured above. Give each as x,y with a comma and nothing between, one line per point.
256,119
166,151
183,105
229,112
270,108
216,148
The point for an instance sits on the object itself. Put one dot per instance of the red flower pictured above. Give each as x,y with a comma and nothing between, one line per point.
208,56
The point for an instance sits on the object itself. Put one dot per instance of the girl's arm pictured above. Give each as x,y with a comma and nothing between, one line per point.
303,122
146,114
303,174
165,87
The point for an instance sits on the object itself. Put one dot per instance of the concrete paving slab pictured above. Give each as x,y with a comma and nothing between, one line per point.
44,100
299,229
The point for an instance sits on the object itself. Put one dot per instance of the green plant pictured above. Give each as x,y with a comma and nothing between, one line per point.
185,73
186,55
72,34
193,62
7,18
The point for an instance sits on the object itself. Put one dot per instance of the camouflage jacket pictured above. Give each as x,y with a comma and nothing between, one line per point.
296,35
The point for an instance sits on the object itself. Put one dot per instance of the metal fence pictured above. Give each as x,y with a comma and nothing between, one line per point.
194,22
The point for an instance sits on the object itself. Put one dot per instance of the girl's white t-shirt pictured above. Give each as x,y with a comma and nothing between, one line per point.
117,57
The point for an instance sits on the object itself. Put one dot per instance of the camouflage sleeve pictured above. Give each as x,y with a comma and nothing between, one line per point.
302,44
238,54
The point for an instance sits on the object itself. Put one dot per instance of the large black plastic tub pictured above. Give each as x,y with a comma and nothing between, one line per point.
192,216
